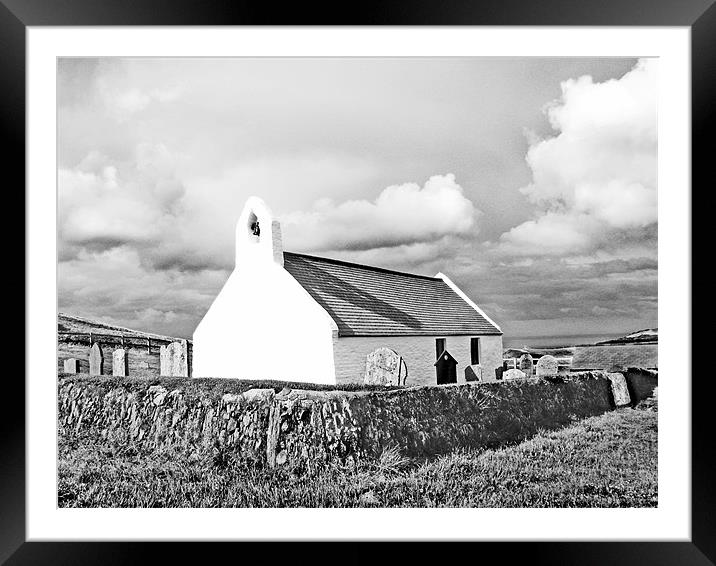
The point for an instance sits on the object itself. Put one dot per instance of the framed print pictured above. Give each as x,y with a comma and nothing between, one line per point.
399,278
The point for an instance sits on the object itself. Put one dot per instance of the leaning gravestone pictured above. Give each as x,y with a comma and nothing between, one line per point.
385,367
72,365
174,359
547,366
473,373
526,364
96,360
514,374
620,390
119,362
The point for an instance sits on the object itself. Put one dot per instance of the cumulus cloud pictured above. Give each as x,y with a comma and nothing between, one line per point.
104,203
598,174
157,158
115,286
400,215
144,202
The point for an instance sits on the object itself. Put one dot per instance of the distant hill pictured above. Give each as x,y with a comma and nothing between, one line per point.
646,336
640,337
74,324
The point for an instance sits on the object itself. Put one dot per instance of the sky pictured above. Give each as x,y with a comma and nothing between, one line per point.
530,182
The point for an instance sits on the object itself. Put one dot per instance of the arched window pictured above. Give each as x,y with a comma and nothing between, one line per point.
254,230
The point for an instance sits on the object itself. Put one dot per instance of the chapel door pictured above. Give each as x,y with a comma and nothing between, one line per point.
446,368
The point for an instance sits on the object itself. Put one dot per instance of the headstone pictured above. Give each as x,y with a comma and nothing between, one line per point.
72,365
182,359
514,374
174,359
620,390
526,364
473,373
120,363
96,360
165,366
174,355
385,367
547,366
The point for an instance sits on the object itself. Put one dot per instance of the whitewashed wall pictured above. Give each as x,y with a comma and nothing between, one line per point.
263,324
419,355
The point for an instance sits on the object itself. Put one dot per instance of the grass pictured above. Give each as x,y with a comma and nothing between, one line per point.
604,461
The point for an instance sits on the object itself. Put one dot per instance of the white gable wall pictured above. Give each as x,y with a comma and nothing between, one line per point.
263,324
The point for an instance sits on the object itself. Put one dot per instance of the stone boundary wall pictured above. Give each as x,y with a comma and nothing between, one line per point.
306,429
641,383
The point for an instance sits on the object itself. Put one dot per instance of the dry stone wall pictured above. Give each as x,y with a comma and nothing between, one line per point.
641,383
306,429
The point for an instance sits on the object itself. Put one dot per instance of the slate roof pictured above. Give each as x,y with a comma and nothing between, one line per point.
606,357
371,301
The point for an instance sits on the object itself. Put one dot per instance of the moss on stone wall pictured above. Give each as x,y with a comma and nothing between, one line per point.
278,426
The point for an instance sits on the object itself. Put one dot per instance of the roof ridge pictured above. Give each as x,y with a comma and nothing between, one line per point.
363,266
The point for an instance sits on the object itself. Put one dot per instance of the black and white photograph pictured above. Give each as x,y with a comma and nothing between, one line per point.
357,282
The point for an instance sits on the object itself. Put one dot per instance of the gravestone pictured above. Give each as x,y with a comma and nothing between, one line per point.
514,374
547,366
96,360
385,367
526,364
473,373
174,359
165,365
120,363
72,365
620,390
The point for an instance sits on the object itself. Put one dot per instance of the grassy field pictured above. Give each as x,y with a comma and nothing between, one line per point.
604,461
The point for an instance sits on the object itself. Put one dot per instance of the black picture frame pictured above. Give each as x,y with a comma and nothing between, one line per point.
699,15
